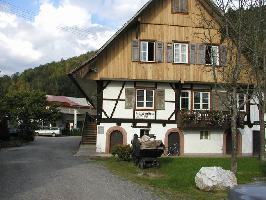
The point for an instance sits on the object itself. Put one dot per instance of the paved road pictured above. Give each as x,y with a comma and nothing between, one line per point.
47,170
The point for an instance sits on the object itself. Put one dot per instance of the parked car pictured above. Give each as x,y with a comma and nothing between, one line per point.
256,191
49,131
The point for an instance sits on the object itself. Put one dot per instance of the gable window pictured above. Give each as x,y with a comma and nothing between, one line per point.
212,55
145,99
185,100
179,6
180,53
147,51
201,101
241,98
204,135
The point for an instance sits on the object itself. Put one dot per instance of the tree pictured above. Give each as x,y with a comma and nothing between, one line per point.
233,34
26,109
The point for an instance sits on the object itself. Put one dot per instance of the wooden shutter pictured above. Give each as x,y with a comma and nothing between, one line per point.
201,50
175,6
184,6
223,55
218,100
160,99
135,50
169,53
193,53
130,98
159,52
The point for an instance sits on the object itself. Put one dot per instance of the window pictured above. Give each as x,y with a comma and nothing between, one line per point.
201,101
180,53
145,99
212,55
241,98
204,135
144,132
185,100
179,6
147,51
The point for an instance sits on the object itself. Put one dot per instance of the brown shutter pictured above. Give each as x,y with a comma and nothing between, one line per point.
223,55
130,98
159,52
135,50
218,100
184,6
169,53
201,50
160,99
192,53
175,6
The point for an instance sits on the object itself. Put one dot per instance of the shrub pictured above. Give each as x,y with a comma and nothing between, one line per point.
123,152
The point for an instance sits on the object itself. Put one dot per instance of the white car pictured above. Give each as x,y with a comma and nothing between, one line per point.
49,131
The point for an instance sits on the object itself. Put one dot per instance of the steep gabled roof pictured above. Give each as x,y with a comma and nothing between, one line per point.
207,4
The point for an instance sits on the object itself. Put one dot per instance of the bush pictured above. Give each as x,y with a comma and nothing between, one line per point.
123,152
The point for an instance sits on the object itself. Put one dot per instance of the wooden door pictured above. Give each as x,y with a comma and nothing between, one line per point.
173,138
229,143
256,142
116,138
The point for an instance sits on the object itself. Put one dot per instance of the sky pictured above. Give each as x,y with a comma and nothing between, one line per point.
35,32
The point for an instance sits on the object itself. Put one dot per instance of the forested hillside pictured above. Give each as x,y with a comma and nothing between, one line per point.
50,78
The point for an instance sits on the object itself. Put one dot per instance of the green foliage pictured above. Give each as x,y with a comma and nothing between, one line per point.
175,179
123,152
26,109
50,78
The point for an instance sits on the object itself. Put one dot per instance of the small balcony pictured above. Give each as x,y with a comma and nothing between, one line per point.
208,119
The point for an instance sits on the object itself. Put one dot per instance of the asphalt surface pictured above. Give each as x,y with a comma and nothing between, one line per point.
47,170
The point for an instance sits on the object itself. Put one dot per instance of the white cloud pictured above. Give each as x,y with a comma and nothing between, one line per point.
59,31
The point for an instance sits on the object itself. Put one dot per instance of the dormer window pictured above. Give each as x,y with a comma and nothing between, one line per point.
179,6
147,51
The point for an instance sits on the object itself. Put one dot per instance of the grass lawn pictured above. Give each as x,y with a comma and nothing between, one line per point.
175,178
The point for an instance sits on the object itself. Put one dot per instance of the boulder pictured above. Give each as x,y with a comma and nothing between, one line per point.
215,178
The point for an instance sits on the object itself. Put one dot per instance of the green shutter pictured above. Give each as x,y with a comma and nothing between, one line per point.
169,53
201,51
135,50
130,98
223,55
160,99
159,52
193,53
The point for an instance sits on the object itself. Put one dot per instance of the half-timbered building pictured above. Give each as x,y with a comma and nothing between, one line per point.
154,76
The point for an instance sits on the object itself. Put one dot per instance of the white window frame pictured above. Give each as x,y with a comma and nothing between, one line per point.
146,52
203,135
145,101
214,48
180,53
201,102
189,99
238,105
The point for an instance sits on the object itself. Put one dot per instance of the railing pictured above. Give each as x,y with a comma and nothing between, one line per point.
208,119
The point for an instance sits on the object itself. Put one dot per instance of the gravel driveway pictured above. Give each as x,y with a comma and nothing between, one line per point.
47,170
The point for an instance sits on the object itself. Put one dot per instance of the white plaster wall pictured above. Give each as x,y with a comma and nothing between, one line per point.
247,140
193,144
111,92
157,129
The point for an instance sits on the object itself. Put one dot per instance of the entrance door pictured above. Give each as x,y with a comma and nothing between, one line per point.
229,143
256,142
173,138
116,138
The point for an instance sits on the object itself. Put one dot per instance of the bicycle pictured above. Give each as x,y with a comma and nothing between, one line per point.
173,150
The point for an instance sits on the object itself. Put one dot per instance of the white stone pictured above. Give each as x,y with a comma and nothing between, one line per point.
215,178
